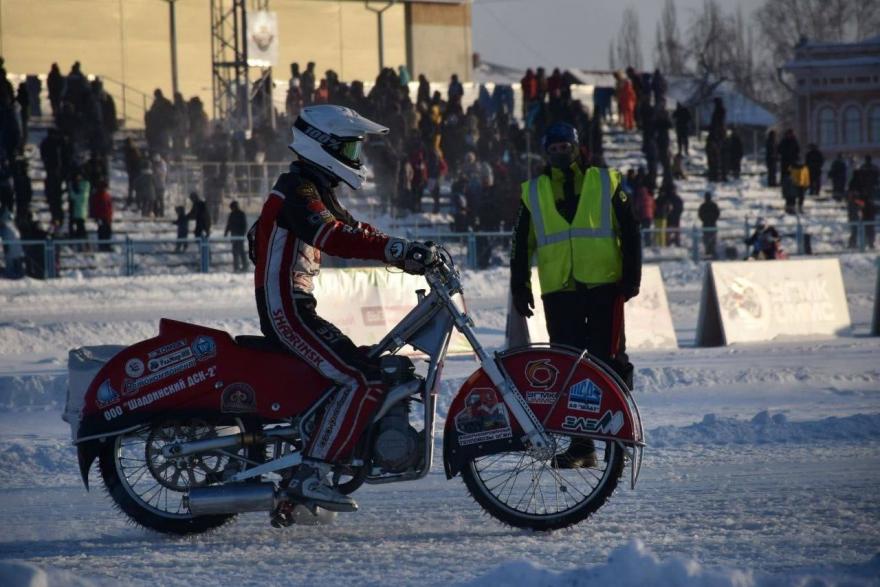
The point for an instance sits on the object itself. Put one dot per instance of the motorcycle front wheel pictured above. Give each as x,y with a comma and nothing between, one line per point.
525,492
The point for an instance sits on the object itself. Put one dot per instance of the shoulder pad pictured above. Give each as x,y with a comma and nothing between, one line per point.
292,184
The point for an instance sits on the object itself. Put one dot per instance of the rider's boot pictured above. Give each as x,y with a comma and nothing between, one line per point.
308,486
581,454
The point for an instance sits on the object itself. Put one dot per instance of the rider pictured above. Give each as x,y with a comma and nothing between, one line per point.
300,218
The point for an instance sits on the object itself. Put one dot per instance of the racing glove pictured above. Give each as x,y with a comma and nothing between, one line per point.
411,256
524,301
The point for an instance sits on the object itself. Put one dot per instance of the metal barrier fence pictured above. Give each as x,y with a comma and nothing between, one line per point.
248,183
150,256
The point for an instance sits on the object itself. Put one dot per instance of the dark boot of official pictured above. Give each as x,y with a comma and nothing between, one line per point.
581,454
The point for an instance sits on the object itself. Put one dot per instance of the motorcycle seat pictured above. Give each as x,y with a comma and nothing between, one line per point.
260,343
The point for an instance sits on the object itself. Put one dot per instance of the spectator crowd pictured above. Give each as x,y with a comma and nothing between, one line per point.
481,152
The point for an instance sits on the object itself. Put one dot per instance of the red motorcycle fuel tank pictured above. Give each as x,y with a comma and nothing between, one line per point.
193,371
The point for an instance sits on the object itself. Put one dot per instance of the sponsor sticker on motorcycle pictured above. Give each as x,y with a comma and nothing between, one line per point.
541,374
134,368
131,386
106,395
204,348
171,389
546,398
163,361
609,423
585,396
238,398
483,419
165,349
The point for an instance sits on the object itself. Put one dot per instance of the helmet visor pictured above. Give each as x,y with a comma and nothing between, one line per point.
351,150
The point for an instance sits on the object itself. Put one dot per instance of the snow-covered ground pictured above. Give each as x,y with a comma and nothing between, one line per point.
763,466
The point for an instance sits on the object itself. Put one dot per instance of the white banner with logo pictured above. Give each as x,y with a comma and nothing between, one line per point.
875,323
753,301
647,320
262,39
365,303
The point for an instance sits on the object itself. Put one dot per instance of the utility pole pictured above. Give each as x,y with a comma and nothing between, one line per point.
173,25
379,11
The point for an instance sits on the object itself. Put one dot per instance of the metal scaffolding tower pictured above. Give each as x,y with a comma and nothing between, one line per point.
230,81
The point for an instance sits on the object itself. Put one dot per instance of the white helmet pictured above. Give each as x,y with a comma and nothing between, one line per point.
331,137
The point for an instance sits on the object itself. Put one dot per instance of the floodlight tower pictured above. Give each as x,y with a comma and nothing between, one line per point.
230,80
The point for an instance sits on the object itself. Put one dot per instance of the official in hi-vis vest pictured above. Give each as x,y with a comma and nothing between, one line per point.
579,222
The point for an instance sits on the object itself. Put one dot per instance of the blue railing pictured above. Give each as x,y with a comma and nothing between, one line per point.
474,249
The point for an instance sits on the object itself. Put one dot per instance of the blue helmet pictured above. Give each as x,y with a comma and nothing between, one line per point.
559,132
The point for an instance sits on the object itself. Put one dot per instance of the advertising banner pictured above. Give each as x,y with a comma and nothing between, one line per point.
754,301
365,303
262,39
647,320
875,323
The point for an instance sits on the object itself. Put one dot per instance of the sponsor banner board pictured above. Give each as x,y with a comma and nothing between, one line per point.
647,320
754,301
875,323
366,302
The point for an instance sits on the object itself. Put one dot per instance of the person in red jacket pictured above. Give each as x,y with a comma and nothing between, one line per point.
300,219
102,212
645,208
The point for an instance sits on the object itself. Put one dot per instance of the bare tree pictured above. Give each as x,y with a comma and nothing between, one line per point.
629,49
612,62
742,67
669,51
710,44
783,24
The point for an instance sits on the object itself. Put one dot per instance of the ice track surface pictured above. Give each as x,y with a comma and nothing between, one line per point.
763,466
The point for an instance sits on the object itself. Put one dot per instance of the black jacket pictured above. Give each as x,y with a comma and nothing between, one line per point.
236,224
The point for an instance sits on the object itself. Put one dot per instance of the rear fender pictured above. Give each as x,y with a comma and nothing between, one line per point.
86,453
177,371
571,393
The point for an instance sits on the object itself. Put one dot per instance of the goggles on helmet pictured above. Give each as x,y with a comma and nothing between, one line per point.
345,149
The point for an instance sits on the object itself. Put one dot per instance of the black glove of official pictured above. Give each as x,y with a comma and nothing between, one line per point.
524,301
628,291
411,256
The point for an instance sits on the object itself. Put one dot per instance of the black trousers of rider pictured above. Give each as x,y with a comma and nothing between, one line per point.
591,318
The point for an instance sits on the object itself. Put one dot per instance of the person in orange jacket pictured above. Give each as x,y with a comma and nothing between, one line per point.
626,102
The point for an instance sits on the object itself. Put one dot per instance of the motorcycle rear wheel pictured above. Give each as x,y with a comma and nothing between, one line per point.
150,489
525,492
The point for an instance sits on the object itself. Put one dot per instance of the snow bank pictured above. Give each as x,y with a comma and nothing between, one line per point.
738,372
630,565
24,460
634,565
20,574
33,391
764,429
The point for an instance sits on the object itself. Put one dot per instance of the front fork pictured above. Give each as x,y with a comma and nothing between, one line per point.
538,443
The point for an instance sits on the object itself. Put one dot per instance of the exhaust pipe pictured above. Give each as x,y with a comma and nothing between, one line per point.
234,499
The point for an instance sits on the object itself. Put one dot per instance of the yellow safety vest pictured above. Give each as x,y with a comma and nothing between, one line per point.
588,249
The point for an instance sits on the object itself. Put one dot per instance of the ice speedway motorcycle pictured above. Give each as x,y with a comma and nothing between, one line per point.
193,427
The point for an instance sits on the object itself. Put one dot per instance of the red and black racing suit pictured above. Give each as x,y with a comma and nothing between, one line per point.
301,218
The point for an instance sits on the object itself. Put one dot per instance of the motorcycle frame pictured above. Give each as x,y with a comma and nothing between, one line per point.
428,328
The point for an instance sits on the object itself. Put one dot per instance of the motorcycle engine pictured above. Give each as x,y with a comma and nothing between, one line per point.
398,446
